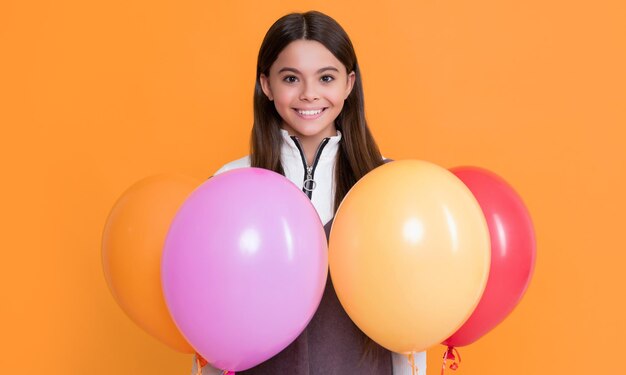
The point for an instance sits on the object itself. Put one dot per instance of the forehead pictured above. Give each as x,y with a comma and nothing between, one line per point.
306,56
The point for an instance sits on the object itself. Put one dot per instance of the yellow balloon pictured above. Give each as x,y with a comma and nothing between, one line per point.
132,244
409,254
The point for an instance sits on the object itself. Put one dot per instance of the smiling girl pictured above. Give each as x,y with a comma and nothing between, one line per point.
309,125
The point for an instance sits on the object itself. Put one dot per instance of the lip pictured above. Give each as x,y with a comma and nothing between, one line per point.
310,117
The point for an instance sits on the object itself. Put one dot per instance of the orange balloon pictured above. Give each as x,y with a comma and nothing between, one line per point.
409,254
132,244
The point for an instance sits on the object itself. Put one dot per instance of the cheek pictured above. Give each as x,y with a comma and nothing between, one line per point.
282,107
284,97
337,98
338,92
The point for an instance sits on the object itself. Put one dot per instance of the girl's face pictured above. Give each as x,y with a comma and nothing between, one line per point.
308,85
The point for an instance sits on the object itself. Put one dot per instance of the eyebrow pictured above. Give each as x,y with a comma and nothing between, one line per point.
294,70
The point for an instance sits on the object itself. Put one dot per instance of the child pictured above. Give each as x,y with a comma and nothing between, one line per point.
309,125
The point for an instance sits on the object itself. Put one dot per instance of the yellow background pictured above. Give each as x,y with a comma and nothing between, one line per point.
95,95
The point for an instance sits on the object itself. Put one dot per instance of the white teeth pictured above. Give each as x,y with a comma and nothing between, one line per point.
310,113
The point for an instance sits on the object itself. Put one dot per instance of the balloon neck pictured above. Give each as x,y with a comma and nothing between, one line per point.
451,354
201,362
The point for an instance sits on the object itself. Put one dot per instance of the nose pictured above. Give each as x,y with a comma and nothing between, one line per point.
309,93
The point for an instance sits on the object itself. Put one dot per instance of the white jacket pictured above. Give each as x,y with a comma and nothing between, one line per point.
321,191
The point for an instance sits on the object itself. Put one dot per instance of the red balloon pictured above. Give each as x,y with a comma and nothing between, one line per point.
513,252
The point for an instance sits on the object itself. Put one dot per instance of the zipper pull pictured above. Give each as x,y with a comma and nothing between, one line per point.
309,183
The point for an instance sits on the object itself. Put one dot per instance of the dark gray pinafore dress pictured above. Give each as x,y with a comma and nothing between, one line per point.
330,345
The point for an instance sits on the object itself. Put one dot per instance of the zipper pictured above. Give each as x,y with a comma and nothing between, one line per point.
309,171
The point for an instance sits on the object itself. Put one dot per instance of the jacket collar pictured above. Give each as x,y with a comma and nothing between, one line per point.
289,149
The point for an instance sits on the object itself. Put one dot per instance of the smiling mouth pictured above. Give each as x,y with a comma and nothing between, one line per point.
310,113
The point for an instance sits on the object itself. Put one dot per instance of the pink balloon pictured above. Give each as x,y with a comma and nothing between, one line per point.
512,252
244,267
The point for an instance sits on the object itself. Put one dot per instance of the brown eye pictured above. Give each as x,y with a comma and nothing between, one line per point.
290,79
327,78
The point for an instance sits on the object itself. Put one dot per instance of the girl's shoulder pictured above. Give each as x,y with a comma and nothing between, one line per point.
239,163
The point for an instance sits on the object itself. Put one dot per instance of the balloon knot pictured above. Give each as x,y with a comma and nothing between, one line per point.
451,354
201,361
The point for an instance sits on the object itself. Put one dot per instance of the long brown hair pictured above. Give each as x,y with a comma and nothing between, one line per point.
358,153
